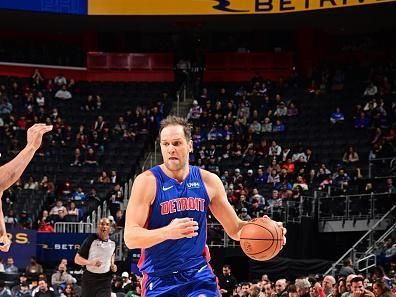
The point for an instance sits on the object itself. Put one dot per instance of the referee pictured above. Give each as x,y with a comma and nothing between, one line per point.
97,255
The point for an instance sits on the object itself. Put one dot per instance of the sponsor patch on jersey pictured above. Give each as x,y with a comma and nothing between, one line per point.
193,185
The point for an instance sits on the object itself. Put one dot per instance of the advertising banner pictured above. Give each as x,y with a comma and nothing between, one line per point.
23,246
215,7
54,6
52,247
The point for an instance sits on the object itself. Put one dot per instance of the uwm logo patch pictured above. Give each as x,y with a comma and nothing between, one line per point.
193,185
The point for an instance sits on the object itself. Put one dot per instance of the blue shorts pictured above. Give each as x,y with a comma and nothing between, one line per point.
197,282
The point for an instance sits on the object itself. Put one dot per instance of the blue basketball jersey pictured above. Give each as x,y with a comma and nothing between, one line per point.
177,200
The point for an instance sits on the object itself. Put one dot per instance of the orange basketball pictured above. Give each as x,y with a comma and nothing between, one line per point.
261,239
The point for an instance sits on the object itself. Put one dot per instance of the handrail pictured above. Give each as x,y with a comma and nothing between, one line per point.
355,195
77,227
381,238
332,268
372,160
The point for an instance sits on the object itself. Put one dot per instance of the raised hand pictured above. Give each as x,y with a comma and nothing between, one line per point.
35,135
5,243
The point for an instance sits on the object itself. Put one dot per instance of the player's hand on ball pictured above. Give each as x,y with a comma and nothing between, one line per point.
113,268
35,135
5,243
284,230
181,228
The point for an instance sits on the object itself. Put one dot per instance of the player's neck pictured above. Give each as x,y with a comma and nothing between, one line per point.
178,175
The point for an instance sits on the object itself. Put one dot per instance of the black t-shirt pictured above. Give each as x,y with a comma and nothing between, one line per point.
227,282
93,248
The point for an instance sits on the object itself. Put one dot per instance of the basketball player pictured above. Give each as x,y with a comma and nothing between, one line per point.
12,171
166,218
97,255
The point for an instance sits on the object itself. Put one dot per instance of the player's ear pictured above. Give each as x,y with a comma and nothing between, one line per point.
190,146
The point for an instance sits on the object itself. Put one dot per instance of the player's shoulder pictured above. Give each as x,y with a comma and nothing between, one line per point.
145,177
208,177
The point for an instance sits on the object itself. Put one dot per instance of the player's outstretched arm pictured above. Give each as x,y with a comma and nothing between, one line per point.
12,171
220,207
136,235
5,242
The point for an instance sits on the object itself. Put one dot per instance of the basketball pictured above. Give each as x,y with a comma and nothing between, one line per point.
261,239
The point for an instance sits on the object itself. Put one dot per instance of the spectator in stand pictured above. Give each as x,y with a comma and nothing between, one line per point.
58,206
17,288
281,110
73,212
281,288
347,268
227,282
302,287
31,184
60,80
43,290
63,94
350,156
120,127
34,268
119,219
255,126
78,195
362,121
90,158
4,290
371,90
244,216
381,289
242,203
337,117
5,106
389,186
195,112
104,178
267,289
44,226
113,177
266,127
341,180
99,124
61,277
278,126
40,99
24,221
357,287
328,285
90,104
292,110
77,159
9,267
37,78
256,195
275,149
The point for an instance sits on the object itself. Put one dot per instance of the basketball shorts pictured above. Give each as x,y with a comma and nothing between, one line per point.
96,285
197,282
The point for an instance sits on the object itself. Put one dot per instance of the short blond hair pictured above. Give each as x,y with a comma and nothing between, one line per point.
172,120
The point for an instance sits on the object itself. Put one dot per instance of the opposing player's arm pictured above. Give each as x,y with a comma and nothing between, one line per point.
12,171
220,207
142,196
